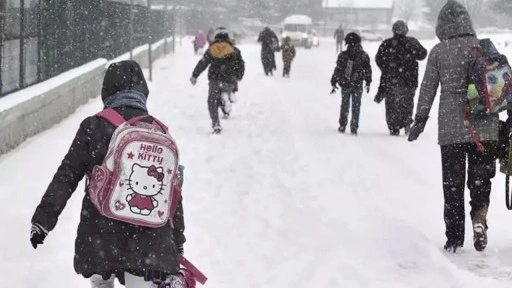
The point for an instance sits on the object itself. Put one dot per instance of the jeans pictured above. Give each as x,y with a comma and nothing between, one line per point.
347,95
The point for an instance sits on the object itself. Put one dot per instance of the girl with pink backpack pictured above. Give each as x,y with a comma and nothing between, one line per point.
117,241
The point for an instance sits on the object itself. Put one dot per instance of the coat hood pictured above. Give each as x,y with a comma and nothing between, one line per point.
454,21
122,76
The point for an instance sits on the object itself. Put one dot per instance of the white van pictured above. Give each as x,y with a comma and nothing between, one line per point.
298,28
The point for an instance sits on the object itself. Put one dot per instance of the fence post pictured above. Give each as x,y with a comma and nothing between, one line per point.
3,8
150,58
131,29
166,25
174,28
22,44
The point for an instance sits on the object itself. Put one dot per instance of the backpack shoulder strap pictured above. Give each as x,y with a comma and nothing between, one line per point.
112,116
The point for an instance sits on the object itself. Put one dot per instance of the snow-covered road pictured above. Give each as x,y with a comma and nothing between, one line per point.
280,199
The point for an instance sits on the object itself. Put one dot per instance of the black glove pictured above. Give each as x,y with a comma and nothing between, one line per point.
37,235
334,87
181,250
417,128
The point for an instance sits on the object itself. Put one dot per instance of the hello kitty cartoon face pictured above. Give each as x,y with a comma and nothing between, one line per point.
146,181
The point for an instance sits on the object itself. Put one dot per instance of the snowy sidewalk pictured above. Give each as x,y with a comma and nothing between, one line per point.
280,199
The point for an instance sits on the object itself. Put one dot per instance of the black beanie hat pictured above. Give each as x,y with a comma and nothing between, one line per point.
352,39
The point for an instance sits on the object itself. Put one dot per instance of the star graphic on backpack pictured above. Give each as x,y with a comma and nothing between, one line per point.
169,171
131,155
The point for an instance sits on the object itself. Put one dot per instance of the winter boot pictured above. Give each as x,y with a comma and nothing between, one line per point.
407,129
480,229
217,129
341,129
98,282
353,132
394,132
452,247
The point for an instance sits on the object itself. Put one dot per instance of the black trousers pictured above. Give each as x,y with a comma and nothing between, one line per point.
399,108
215,101
481,168
347,95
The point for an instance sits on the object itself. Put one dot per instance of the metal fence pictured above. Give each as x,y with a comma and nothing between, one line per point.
43,38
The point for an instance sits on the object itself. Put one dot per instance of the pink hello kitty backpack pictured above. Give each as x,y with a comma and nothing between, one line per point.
136,183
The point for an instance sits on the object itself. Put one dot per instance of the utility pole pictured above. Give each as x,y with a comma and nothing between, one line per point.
131,29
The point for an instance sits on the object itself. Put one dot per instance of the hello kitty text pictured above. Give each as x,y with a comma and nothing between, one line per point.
151,153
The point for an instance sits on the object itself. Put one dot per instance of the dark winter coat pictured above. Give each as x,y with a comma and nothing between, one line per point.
447,65
105,246
398,59
225,61
361,69
288,52
269,43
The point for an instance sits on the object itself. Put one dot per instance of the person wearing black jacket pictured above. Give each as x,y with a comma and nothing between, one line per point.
352,68
269,44
227,68
106,248
398,58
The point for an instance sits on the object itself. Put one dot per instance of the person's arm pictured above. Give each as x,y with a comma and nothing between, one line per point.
367,66
417,50
428,88
335,79
380,58
179,228
239,65
70,172
202,65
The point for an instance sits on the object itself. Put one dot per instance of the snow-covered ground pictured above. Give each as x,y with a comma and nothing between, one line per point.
280,199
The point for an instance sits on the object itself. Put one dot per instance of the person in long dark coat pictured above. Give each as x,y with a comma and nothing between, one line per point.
269,44
398,59
106,248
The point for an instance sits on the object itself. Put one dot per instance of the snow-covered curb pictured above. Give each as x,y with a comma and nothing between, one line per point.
32,110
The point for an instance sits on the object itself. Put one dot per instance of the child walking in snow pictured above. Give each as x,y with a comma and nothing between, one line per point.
352,68
106,249
288,51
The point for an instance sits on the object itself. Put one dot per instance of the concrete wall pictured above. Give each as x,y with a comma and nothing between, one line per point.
32,110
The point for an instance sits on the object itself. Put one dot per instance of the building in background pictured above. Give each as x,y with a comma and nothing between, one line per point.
366,14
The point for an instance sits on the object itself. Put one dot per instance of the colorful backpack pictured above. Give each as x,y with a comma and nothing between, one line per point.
490,85
136,183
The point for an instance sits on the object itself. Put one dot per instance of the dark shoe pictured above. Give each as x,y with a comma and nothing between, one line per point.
353,132
407,129
452,247
479,237
341,129
394,132
217,129
479,218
